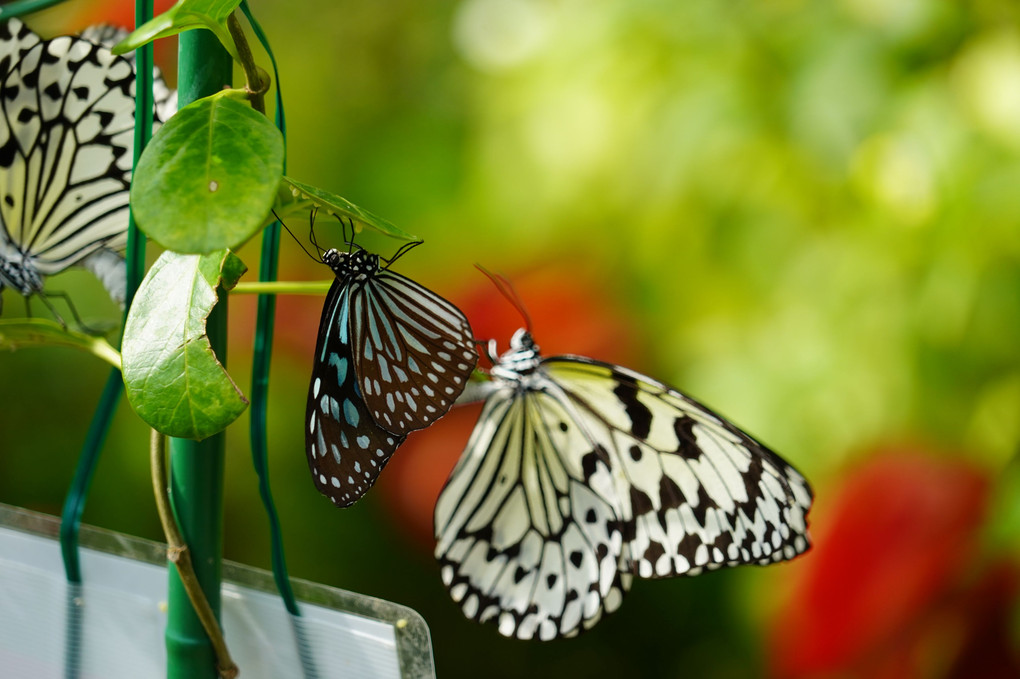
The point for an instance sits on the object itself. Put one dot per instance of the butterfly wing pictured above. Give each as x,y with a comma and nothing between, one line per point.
66,134
524,536
15,40
346,449
415,351
694,491
164,98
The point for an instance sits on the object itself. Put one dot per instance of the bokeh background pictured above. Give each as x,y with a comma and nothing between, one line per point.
805,214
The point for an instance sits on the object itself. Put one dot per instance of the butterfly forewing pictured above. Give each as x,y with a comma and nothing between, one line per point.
415,351
695,491
346,450
522,539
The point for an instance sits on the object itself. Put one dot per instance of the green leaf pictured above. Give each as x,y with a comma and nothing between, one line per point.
172,377
209,177
337,205
184,16
18,333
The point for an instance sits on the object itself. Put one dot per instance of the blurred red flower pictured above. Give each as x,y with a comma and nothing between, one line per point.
894,586
570,313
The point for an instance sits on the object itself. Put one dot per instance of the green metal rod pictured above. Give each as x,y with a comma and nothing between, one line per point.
196,467
16,9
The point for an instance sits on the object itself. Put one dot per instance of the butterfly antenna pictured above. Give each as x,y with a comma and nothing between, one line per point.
506,288
296,239
403,250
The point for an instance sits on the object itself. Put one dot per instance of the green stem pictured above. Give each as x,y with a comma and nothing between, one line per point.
257,82
282,288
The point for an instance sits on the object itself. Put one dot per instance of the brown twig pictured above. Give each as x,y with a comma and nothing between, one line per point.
257,79
177,553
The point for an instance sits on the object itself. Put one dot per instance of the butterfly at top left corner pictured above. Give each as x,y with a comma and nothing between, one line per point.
66,138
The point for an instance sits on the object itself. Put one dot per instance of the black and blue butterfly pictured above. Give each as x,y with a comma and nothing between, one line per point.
391,357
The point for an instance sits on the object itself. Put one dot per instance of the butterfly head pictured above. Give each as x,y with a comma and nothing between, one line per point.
522,358
351,265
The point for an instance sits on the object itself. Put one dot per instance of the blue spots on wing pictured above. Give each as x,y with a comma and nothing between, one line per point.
335,361
344,315
351,413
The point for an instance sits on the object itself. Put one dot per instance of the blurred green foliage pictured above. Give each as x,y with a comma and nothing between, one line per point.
808,210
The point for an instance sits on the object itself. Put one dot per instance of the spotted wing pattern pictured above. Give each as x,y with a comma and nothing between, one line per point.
576,457
694,491
415,351
525,535
66,134
15,40
164,98
346,450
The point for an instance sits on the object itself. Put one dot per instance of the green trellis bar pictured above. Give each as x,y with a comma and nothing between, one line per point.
196,467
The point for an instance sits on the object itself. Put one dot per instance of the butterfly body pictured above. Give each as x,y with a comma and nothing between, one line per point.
582,475
391,357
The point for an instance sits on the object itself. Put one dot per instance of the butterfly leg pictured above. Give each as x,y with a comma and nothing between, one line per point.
87,329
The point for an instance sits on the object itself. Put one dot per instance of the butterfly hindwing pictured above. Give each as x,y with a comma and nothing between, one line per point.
695,491
415,351
522,537
346,450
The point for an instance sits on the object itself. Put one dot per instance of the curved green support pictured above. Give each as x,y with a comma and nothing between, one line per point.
196,467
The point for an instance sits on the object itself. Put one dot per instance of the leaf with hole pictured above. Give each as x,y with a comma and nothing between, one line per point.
208,179
171,374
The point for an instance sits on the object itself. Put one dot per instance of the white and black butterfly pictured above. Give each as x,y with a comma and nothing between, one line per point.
66,136
391,357
581,475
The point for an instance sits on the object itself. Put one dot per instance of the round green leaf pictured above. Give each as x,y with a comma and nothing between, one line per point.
172,377
208,179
